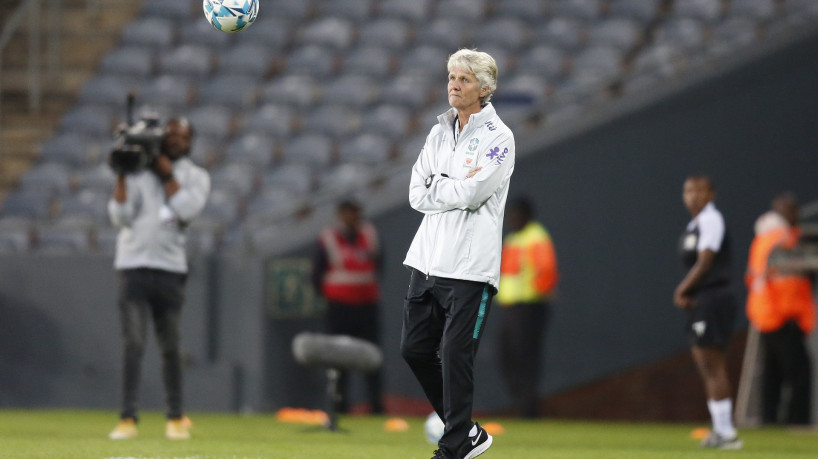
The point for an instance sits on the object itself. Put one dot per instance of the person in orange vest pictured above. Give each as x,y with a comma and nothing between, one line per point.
345,270
781,306
528,277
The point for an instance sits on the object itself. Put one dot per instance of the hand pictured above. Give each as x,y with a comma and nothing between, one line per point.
473,172
681,300
162,166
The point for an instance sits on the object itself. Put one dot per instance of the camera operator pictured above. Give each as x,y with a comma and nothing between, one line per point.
152,208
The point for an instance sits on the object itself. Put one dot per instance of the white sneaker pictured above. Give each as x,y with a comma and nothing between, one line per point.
716,441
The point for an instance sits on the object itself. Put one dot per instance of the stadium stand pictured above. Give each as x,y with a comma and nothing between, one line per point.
332,91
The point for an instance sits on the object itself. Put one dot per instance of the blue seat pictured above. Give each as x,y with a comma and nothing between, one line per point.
584,10
414,90
331,32
522,89
157,33
168,91
15,235
415,10
732,34
88,203
660,59
544,59
132,61
201,33
273,205
641,10
507,32
53,178
251,59
392,120
603,60
33,204
704,10
213,121
386,32
565,33
206,151
313,60
295,178
333,120
373,61
271,31
71,149
222,205
178,10
99,177
63,239
367,148
88,120
108,90
448,34
345,178
295,90
533,11
425,60
462,10
276,120
620,33
252,149
757,10
352,90
291,11
313,149
237,92
238,179
353,10
187,61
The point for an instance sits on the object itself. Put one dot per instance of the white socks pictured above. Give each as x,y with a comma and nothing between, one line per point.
721,411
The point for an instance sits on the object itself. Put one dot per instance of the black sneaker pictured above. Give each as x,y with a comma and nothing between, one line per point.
439,454
478,444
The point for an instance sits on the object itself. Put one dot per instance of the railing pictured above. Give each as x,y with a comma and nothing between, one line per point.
30,12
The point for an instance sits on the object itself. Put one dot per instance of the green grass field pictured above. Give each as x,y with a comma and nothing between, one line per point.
83,434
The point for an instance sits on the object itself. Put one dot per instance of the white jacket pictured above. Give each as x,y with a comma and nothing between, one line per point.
152,228
460,236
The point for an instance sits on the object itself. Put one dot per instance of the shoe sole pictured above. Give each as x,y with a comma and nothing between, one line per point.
480,449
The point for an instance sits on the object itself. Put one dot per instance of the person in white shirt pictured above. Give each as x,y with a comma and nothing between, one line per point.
152,208
706,297
459,183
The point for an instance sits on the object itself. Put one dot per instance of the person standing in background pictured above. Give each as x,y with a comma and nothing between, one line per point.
781,306
345,267
705,295
528,277
152,208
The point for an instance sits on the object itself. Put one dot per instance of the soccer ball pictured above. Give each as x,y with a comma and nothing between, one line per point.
433,428
230,15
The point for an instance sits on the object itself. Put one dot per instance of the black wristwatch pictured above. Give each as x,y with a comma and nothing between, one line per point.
428,181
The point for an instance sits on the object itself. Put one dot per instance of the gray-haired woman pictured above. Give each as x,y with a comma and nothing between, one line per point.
460,183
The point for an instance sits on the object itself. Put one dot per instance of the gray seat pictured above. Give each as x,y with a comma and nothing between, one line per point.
346,177
108,90
562,32
464,10
33,204
330,31
88,203
522,89
252,149
686,33
732,34
71,149
187,60
757,10
388,33
213,121
333,120
63,239
132,61
352,90
238,92
271,31
296,178
410,149
201,33
641,82
704,10
604,60
222,205
353,10
99,177
105,240
373,61
621,33
273,205
295,90
167,90
412,90
238,179
154,32
507,32
15,235
291,11
415,10
528,10
313,149
368,148
49,177
88,120
313,60
392,120
585,10
642,10
424,60
206,151
272,119
661,58
448,34
251,59
546,60
176,10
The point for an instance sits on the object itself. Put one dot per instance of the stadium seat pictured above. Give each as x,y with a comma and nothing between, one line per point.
546,60
200,33
250,59
462,10
333,120
222,205
273,205
732,34
313,149
662,59
331,32
108,90
522,89
415,10
238,179
414,90
425,60
296,178
276,120
564,33
368,148
373,61
206,151
271,31
388,33
312,60
99,177
352,90
63,238
15,235
585,10
237,92
410,149
33,204
345,178
211,121
507,32
449,34
105,239
132,61
620,33
49,177
157,33
178,10
292,11
686,33
295,90
392,120
757,10
353,10
605,60
531,11
705,10
88,203
167,90
71,149
252,149
642,10
192,61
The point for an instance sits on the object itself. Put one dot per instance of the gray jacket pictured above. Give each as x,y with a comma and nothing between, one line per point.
152,228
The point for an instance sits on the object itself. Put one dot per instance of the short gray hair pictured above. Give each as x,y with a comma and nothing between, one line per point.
479,64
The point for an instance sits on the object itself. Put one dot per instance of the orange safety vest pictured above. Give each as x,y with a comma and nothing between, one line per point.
528,267
776,298
351,275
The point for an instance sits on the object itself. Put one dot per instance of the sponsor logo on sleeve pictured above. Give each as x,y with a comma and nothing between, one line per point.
495,155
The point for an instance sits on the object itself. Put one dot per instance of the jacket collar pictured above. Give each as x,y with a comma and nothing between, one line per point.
446,119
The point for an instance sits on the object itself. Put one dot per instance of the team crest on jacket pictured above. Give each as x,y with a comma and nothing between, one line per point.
473,144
